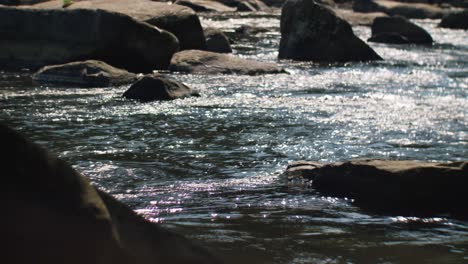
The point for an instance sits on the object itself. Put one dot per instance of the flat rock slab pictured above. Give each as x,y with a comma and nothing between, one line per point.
205,62
177,19
158,88
390,186
90,73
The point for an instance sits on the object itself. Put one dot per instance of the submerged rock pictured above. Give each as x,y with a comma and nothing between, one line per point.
90,73
33,38
217,41
311,32
390,186
179,20
456,20
386,29
54,215
158,88
205,62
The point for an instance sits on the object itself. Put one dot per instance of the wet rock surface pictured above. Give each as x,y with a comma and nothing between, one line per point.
205,62
90,73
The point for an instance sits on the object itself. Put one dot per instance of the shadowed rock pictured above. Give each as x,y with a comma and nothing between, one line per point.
90,73
390,186
217,41
385,29
54,215
158,88
205,62
311,32
455,20
33,38
179,20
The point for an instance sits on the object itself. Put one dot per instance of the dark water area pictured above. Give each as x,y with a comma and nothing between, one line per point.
210,167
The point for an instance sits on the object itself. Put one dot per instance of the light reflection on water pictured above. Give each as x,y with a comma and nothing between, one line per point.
210,167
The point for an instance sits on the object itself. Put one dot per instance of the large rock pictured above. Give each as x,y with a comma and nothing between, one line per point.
455,20
387,29
205,5
217,41
158,88
311,32
33,38
90,73
389,186
179,20
52,214
205,62
395,8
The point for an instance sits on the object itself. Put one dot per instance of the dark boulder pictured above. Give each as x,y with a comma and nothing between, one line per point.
205,62
90,73
455,20
33,38
217,41
179,20
52,214
158,88
390,186
311,32
385,29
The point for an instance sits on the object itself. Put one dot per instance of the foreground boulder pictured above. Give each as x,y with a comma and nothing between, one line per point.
396,8
398,30
311,32
205,62
33,38
180,21
217,41
455,20
52,214
90,73
158,88
389,186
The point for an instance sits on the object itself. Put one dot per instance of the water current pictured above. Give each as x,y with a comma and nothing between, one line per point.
210,167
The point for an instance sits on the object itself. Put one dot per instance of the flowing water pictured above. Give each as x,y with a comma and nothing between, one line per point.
210,167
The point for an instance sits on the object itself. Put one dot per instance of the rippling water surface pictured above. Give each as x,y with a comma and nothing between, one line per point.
210,167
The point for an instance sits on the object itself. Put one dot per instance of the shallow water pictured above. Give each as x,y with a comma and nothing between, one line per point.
210,167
